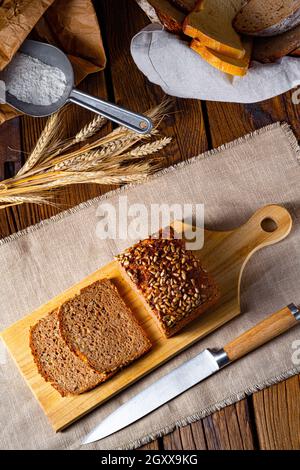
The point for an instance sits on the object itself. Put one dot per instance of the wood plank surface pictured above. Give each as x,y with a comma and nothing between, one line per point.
276,410
270,418
130,88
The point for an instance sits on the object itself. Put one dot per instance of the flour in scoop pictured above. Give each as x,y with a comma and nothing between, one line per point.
32,81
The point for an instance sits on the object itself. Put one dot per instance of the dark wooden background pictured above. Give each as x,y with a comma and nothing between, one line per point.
269,419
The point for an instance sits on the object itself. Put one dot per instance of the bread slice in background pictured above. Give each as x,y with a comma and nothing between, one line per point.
185,5
230,65
170,281
211,23
100,329
295,53
169,14
267,17
57,363
267,49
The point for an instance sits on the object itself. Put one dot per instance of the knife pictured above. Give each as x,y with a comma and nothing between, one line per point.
194,371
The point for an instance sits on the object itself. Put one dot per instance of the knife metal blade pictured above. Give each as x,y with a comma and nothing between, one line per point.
194,371
160,392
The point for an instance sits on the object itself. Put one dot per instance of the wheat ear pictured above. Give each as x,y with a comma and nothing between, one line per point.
85,133
52,129
151,147
90,129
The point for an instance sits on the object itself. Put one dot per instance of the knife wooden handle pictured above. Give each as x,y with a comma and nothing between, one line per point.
263,332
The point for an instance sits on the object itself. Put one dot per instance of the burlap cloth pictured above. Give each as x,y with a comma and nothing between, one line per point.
40,262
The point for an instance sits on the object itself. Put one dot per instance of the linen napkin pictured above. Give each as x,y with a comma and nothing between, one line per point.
168,61
42,261
2,92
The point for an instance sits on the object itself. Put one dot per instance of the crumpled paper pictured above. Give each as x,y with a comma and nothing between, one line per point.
71,25
17,18
168,61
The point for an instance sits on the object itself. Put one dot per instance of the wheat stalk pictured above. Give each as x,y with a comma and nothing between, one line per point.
151,147
14,200
120,157
109,147
125,139
96,157
87,158
117,137
89,129
52,129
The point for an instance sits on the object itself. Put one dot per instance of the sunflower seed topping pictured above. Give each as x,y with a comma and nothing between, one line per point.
171,278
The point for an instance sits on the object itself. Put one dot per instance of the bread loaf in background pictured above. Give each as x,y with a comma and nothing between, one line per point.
267,17
219,29
267,49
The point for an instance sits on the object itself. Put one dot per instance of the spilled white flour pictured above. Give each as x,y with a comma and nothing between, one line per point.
32,81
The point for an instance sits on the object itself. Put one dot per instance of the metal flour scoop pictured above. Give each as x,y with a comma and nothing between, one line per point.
51,55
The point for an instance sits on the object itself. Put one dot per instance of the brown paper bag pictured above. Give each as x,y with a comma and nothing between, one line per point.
71,25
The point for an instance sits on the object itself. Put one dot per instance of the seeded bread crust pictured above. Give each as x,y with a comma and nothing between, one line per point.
107,335
173,285
69,375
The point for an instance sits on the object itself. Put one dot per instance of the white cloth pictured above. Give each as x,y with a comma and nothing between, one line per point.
167,61
2,92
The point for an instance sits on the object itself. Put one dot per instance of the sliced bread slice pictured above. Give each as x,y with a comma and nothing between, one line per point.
100,329
271,49
57,363
238,67
211,23
170,16
267,17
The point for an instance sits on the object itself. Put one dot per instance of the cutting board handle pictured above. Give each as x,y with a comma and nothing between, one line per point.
268,225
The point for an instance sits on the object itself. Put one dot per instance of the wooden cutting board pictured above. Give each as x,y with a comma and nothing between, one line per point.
224,254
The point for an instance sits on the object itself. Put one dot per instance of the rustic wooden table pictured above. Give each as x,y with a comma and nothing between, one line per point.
269,419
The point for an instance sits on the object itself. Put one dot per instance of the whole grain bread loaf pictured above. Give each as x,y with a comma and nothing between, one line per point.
271,49
100,329
173,285
57,363
267,17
